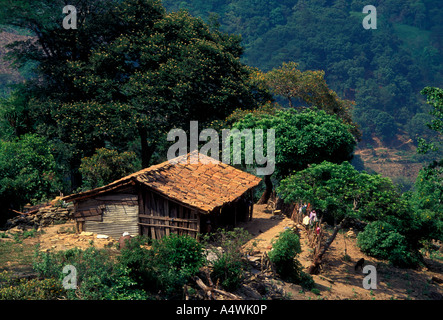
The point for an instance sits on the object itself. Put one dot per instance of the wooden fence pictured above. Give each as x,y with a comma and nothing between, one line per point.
314,238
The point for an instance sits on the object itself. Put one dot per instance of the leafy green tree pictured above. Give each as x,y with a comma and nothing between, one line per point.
130,71
308,88
428,188
341,193
106,166
435,100
302,137
28,172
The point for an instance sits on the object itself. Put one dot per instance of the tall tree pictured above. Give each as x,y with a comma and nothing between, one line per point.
129,71
307,88
302,137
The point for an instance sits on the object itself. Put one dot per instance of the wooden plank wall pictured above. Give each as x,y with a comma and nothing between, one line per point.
161,217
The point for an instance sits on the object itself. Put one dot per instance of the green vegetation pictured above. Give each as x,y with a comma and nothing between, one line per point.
105,166
229,266
382,70
283,255
138,273
99,101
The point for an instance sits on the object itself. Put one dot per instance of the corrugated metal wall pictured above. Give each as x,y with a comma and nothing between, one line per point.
116,220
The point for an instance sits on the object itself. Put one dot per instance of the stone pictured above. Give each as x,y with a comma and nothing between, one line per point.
86,233
102,236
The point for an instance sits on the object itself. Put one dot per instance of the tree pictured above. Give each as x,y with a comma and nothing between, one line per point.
106,166
308,88
428,188
341,193
435,100
28,172
129,71
302,137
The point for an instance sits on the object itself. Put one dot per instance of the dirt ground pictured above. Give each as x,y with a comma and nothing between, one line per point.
337,280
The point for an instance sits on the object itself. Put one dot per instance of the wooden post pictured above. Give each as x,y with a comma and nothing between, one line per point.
166,209
251,209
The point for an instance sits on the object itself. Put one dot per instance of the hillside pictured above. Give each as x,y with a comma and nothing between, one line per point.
337,281
8,74
383,70
396,160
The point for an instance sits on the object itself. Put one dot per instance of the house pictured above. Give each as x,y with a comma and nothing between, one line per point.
171,197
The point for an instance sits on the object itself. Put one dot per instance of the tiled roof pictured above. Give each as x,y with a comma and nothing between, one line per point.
202,185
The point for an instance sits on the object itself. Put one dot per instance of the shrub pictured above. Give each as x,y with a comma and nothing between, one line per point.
167,266
176,260
33,289
381,240
138,261
98,277
228,268
283,254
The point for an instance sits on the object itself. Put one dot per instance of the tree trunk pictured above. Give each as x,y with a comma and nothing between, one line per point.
314,268
268,191
146,149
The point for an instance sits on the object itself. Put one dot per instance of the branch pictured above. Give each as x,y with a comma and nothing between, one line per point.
209,290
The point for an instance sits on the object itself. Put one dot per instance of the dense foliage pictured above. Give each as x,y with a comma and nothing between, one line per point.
395,231
28,171
283,256
138,273
383,70
105,166
128,74
302,137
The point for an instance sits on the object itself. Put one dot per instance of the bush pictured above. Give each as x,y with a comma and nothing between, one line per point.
176,260
98,277
167,266
228,268
381,240
34,289
138,261
283,254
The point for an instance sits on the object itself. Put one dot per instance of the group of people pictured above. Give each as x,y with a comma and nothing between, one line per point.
310,220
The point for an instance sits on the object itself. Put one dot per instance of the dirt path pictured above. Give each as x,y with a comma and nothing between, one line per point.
338,279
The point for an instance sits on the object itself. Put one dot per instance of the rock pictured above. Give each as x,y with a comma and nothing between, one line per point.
14,230
86,233
102,236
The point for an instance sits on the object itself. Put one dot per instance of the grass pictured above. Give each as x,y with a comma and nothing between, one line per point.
15,255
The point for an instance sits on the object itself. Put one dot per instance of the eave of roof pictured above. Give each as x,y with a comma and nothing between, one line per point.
205,185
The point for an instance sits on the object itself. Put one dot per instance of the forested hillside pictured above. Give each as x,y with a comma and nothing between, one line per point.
303,81
383,70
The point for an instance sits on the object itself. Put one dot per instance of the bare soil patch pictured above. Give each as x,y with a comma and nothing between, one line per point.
338,279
